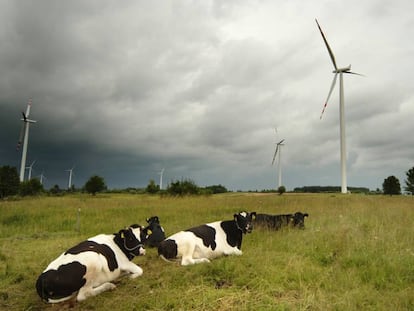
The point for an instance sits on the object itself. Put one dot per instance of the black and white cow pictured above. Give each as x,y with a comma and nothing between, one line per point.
154,233
276,222
205,242
88,268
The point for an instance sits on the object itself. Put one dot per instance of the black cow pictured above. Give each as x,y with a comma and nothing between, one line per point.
205,242
154,233
88,268
276,222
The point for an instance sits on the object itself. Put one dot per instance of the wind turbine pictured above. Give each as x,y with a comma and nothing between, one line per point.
339,71
161,173
42,176
279,148
24,135
70,177
30,168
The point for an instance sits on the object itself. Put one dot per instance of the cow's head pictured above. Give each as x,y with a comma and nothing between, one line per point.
244,221
153,220
298,220
131,240
153,224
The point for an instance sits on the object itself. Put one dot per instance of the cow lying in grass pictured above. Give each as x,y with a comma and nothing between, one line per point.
276,222
88,268
153,234
205,242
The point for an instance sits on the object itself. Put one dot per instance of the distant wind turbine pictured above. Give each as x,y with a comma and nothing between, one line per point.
70,177
161,173
24,136
339,71
30,168
279,148
42,176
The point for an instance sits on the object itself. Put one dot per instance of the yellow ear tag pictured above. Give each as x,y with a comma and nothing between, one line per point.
122,235
149,232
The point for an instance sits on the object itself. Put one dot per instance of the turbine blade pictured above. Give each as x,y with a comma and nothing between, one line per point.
21,136
29,105
327,46
274,156
24,117
280,141
354,73
329,94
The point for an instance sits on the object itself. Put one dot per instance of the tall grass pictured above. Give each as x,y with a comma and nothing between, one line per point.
356,253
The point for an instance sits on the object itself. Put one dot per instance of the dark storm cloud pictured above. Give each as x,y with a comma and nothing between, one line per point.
124,89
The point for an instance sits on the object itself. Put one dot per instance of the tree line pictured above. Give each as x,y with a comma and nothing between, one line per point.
10,185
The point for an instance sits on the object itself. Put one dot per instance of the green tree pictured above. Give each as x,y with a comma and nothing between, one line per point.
281,190
183,187
391,185
9,181
95,184
152,187
31,187
409,182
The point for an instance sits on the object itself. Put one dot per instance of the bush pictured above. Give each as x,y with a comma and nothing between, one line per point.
183,187
31,187
152,187
9,181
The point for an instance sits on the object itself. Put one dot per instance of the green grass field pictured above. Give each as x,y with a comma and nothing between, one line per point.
356,253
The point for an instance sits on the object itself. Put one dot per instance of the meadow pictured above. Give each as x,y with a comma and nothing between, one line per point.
356,252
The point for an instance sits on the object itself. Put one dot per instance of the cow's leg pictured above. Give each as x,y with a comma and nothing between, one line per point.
134,270
233,251
186,261
89,291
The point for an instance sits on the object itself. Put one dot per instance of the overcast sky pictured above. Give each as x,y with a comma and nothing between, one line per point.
123,89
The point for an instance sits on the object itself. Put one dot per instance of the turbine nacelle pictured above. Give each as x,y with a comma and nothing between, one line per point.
345,69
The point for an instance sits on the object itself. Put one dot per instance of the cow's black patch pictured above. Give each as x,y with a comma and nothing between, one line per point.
168,249
91,246
61,283
234,235
207,234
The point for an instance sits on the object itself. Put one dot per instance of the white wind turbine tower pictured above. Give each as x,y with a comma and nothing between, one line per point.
24,135
70,177
339,71
279,148
161,173
42,176
30,168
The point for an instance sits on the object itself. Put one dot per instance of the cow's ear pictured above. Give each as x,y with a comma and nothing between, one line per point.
122,233
147,220
306,215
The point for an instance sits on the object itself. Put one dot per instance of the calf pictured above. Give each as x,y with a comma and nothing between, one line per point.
276,222
88,268
153,234
205,242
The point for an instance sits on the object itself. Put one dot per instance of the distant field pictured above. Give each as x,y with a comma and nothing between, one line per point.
356,253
